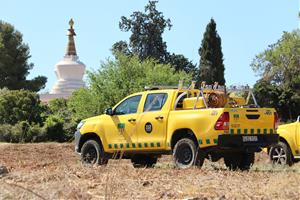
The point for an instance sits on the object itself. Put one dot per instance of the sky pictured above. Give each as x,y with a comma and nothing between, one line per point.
246,28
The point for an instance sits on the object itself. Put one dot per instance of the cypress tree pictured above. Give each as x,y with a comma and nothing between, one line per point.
211,67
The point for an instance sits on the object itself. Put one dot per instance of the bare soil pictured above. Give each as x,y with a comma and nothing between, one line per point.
54,171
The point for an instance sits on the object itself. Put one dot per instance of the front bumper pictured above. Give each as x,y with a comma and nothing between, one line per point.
248,142
77,141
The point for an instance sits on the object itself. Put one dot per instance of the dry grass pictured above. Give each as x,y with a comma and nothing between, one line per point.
54,171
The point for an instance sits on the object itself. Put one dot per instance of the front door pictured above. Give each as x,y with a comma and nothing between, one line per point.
121,128
152,122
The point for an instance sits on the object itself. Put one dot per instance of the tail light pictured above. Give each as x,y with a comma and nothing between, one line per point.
276,120
223,122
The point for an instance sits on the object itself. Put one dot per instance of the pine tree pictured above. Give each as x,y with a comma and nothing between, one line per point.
14,61
211,67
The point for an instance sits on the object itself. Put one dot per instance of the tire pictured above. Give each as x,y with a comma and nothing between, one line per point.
186,154
281,154
143,161
239,161
92,153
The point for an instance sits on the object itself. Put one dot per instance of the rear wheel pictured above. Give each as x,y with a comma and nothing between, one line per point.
142,161
92,153
239,160
187,154
281,154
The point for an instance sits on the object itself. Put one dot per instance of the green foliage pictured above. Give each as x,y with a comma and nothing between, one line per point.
60,123
179,62
54,128
79,106
279,69
147,28
24,119
280,63
22,132
14,66
146,39
19,105
118,78
211,67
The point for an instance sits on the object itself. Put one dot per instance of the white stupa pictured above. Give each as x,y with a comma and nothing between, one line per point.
69,71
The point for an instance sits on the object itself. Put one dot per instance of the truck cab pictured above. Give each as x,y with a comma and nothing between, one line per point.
191,124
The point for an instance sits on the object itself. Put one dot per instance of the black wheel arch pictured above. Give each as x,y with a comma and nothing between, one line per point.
87,136
183,133
281,139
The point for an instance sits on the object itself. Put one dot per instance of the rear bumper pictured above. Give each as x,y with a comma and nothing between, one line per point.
240,142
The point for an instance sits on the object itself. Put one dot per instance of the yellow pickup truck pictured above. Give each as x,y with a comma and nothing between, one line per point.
191,124
287,150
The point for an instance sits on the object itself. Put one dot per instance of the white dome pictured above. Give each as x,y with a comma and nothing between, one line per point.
69,73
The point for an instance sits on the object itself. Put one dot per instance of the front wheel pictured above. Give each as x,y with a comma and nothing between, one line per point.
280,154
187,154
92,153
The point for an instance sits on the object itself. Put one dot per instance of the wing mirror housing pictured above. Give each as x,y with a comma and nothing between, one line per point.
109,111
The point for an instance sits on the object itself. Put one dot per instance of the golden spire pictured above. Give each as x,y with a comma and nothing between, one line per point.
71,50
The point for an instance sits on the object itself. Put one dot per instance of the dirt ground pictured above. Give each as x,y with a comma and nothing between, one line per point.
54,171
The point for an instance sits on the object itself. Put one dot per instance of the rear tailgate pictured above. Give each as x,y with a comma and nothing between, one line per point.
251,121
250,128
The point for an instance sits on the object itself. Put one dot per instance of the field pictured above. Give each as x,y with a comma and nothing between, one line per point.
54,171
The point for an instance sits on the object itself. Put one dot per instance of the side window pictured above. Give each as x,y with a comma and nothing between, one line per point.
128,106
155,102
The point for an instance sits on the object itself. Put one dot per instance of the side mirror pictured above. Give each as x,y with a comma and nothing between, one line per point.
109,111
298,118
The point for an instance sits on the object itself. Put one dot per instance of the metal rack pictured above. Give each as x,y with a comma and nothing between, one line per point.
205,89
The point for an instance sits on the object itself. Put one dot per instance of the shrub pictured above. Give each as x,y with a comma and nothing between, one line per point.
19,105
60,119
54,128
6,133
22,132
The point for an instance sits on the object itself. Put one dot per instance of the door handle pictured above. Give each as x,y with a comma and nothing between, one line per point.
159,117
131,120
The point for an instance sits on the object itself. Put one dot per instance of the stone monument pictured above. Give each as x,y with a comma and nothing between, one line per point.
69,71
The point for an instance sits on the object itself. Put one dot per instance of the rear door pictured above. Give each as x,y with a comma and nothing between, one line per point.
152,122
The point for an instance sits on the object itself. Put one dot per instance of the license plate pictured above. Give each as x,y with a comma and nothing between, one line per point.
250,139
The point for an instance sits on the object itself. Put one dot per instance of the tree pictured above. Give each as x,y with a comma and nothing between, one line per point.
14,65
24,105
179,62
279,69
146,39
118,78
147,28
211,67
121,47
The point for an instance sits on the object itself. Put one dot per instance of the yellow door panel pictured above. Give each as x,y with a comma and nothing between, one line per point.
120,132
152,130
152,123
120,129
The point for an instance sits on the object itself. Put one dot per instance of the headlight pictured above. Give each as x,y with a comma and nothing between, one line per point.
80,125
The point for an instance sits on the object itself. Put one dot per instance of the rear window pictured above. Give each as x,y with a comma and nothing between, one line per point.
155,102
